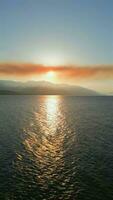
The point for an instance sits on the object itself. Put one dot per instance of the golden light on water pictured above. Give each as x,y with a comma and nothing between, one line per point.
48,115
47,143
52,110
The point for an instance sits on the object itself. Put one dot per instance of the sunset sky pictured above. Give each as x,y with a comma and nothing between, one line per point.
58,41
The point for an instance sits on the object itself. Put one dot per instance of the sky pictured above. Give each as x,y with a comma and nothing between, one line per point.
58,33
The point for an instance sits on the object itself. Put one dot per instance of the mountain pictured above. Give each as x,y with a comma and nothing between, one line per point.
43,88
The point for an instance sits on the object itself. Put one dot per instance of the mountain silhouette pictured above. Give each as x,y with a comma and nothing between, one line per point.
43,88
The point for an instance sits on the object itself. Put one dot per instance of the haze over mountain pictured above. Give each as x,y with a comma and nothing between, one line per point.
43,88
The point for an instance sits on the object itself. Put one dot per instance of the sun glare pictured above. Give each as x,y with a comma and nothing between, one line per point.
50,76
49,59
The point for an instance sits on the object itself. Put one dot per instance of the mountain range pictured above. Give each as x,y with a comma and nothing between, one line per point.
43,88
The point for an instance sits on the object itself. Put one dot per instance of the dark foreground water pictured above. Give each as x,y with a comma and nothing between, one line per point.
56,148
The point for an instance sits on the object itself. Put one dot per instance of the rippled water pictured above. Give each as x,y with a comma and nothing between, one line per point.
57,148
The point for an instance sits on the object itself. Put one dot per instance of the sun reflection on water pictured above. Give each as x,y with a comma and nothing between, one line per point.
46,145
52,112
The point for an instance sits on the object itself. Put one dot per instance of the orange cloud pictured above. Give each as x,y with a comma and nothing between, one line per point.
70,72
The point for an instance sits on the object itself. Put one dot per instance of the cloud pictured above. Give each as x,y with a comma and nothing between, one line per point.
63,72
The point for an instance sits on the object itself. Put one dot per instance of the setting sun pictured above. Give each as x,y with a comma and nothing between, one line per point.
50,76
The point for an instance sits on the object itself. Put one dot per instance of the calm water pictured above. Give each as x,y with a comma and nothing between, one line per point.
56,148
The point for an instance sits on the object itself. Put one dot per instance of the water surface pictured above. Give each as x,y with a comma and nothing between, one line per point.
57,148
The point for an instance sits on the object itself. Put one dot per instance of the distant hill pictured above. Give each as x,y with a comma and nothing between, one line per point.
43,88
7,92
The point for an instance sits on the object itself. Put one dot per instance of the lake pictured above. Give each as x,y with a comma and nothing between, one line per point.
56,148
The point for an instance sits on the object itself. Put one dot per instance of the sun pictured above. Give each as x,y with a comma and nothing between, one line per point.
50,76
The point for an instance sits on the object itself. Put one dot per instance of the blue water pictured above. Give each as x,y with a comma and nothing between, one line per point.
57,148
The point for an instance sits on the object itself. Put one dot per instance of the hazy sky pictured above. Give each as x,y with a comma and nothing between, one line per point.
64,35
56,31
